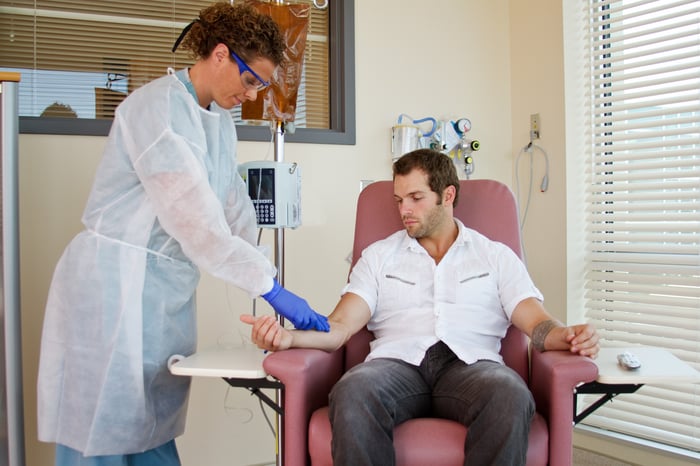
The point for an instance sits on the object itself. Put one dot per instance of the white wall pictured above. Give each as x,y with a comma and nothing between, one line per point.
494,62
537,87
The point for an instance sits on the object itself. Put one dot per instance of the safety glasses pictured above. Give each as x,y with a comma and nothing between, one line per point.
251,79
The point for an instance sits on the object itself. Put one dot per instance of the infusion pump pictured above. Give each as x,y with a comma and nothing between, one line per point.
275,189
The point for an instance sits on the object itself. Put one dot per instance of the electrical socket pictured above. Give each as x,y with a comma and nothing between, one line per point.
534,126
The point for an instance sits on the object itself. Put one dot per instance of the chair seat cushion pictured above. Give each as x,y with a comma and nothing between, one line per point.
437,442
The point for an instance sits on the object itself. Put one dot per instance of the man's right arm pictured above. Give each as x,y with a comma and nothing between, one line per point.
349,316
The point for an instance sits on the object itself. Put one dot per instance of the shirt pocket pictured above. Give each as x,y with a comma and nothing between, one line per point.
399,290
470,277
477,292
451,283
475,283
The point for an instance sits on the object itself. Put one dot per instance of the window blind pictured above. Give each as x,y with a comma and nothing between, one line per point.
80,59
642,283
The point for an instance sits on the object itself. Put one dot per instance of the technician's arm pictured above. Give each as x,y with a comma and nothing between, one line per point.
240,213
188,210
547,333
350,315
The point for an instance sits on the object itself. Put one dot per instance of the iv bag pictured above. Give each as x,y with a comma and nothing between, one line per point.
278,101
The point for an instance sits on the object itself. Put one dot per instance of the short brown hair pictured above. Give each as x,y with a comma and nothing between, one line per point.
438,166
244,30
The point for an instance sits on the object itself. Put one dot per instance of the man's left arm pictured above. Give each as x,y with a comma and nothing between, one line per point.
547,333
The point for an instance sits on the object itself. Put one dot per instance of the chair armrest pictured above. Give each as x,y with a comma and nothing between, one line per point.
306,373
554,376
308,376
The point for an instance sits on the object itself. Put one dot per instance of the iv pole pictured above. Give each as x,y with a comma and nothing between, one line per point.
279,232
279,263
279,129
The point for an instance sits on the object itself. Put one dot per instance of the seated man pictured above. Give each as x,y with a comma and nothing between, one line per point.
439,298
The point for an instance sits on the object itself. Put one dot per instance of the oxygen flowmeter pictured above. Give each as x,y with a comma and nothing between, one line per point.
275,189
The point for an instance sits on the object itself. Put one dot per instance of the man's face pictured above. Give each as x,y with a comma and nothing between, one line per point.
421,210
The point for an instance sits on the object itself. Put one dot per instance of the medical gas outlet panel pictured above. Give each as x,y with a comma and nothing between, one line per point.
275,189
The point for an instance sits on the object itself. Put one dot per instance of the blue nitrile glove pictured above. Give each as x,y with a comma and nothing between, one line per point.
296,309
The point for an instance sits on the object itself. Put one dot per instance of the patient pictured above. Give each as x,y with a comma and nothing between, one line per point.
439,298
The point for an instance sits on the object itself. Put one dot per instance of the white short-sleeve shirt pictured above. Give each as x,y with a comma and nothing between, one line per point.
466,300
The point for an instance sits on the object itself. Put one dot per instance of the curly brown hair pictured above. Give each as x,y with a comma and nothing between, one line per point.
244,30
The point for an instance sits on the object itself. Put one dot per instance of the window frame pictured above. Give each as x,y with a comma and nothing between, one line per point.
342,96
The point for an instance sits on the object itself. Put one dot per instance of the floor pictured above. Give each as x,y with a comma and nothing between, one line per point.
587,458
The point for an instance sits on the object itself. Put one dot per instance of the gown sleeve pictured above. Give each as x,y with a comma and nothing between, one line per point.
175,181
240,216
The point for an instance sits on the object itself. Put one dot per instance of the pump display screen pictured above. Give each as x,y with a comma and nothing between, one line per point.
261,189
275,190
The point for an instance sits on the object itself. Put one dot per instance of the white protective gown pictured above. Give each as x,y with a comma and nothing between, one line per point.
166,201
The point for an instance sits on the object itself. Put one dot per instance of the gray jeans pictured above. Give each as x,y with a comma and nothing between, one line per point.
373,397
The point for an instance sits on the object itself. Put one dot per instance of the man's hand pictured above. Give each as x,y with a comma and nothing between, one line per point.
547,333
581,339
267,333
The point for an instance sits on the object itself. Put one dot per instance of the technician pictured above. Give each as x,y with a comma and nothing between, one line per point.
166,201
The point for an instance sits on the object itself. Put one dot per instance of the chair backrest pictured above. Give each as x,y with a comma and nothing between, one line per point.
487,206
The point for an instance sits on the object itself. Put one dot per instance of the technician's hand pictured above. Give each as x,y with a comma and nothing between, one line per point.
583,339
267,333
295,309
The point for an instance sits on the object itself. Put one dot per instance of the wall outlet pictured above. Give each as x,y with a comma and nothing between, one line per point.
534,126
